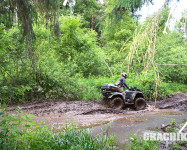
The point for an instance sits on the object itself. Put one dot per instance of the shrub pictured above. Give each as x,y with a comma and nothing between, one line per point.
19,131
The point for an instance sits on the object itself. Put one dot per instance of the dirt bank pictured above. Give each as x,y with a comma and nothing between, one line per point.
177,101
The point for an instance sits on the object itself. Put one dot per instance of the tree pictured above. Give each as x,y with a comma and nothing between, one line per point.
91,10
116,8
78,49
172,58
26,12
182,25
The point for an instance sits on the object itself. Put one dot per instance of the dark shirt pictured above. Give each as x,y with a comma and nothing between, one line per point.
123,82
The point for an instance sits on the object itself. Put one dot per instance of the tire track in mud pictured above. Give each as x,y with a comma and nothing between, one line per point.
80,107
84,113
90,112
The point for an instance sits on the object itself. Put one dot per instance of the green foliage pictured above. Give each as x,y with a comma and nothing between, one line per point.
114,36
72,65
173,122
140,144
78,48
18,131
76,53
10,126
116,8
91,11
163,16
172,58
146,82
25,13
175,87
90,88
13,64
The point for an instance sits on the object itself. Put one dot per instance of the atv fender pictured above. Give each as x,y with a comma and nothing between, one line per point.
137,95
133,96
115,94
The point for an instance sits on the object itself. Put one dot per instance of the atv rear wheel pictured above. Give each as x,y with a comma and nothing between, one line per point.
140,104
117,102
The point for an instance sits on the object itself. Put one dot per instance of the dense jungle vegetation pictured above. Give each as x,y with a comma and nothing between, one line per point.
67,49
52,51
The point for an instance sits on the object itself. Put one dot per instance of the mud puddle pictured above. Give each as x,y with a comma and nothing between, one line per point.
126,127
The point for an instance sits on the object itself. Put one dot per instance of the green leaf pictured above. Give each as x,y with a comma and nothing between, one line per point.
27,125
4,105
31,116
5,147
5,131
24,117
3,121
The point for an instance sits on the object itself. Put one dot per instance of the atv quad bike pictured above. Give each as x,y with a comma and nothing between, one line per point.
115,99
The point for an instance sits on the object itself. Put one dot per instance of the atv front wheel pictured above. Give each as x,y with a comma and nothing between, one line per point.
140,104
117,102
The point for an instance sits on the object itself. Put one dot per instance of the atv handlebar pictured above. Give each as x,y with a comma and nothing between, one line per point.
133,88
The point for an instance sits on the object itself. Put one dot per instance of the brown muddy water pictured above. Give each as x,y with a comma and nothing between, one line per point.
124,127
97,117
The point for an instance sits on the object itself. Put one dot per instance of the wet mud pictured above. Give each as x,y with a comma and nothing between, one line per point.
85,114
88,113
177,101
98,117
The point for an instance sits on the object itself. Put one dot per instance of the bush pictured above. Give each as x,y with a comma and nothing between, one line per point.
78,49
90,88
19,131
172,58
140,144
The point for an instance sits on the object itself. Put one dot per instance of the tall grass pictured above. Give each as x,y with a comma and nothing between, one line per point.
70,138
80,88
176,88
90,88
140,144
20,132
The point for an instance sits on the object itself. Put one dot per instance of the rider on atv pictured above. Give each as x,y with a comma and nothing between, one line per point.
122,83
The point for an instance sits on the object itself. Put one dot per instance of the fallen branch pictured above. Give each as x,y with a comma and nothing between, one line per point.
183,127
164,127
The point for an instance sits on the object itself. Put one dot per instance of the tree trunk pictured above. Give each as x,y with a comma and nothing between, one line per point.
91,27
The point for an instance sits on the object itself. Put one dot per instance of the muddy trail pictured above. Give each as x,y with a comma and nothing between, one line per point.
92,113
83,113
178,101
99,118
